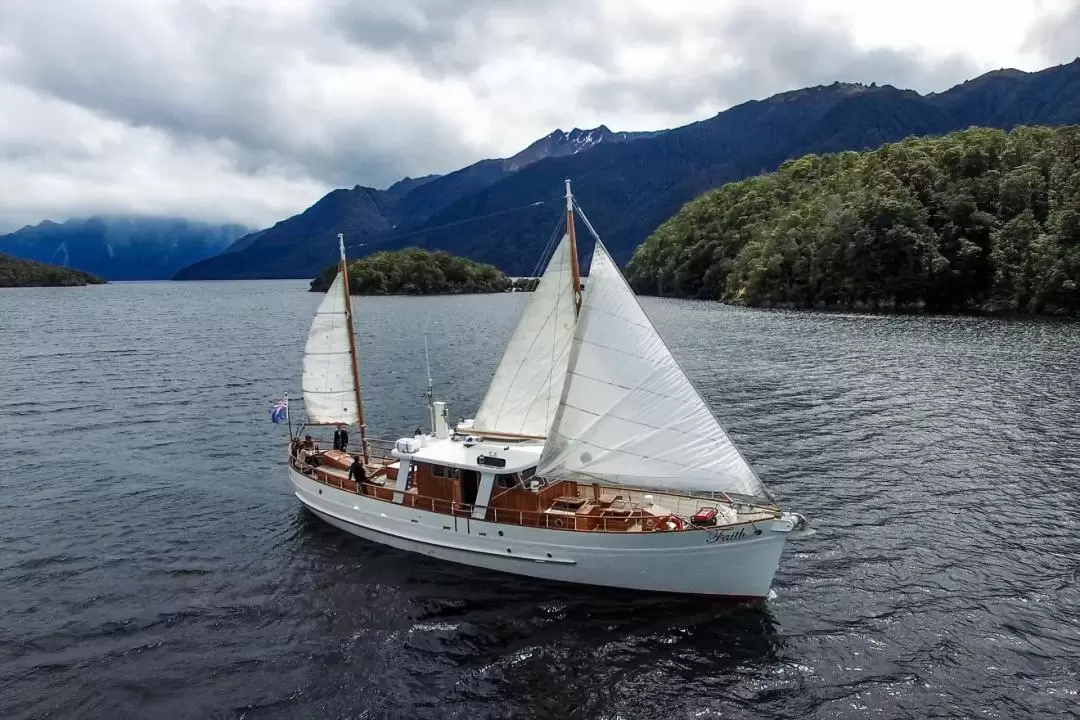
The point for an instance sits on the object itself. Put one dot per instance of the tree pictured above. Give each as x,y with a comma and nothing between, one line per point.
974,219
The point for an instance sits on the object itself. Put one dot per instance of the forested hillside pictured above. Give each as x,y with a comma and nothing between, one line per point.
15,272
978,219
416,272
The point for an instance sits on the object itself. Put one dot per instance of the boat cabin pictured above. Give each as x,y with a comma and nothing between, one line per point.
481,479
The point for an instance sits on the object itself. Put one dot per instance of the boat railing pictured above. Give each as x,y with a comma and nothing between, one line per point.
641,519
536,518
639,515
381,449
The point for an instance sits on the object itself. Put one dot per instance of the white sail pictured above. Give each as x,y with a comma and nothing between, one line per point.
524,392
329,391
629,415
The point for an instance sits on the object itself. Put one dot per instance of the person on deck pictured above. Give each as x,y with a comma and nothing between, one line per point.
341,438
357,473
307,451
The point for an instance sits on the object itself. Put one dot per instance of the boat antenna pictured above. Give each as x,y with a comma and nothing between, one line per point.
429,393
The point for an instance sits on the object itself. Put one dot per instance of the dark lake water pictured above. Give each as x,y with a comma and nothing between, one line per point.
153,562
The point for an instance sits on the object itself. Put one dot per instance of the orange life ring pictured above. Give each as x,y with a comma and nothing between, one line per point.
661,522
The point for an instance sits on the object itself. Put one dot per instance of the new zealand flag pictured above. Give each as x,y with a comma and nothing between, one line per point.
279,412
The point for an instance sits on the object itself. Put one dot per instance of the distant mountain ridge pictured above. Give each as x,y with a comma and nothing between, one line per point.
559,144
630,183
122,247
287,249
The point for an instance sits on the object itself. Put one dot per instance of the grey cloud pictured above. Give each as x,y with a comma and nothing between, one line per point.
756,50
761,50
204,74
459,37
1057,37
298,96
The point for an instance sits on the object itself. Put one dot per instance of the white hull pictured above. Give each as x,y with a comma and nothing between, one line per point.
735,562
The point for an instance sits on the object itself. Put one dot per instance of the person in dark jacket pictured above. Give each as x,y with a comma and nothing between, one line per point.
341,438
357,473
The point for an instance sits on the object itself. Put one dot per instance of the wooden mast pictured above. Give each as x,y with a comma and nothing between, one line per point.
574,268
352,351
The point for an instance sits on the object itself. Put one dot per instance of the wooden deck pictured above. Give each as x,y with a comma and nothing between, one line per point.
560,505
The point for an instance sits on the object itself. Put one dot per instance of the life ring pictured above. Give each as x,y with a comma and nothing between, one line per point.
661,522
558,522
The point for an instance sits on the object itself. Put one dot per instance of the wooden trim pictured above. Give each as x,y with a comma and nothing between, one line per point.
355,358
499,434
575,268
545,521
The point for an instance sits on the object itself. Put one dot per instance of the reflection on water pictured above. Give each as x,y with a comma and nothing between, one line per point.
535,648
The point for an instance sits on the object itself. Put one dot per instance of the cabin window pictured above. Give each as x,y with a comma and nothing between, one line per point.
506,481
442,471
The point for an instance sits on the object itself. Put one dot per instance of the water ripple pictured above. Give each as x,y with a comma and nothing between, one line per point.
154,562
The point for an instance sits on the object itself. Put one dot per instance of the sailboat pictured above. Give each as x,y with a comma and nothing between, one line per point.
591,459
331,386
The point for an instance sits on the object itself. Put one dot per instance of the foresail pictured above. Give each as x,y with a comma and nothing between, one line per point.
329,395
629,414
524,392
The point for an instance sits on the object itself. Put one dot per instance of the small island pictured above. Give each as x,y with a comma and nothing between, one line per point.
414,271
974,221
15,272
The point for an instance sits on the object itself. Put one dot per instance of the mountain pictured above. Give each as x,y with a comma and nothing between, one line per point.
301,246
276,251
121,247
560,143
489,212
15,272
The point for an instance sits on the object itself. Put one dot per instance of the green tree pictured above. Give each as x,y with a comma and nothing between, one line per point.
974,219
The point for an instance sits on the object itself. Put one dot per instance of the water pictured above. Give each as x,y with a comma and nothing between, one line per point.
154,564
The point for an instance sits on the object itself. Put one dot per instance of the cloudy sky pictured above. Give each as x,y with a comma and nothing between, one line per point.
249,110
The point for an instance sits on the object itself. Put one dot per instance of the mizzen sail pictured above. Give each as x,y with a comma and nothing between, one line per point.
329,387
628,414
524,392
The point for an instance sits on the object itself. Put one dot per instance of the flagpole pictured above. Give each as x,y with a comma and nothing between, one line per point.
288,415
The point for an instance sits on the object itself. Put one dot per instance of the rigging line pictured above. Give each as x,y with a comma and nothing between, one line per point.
588,224
551,365
376,240
542,261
